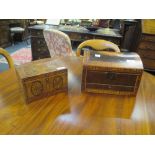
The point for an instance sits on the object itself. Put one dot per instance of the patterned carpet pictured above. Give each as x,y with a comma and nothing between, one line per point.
20,56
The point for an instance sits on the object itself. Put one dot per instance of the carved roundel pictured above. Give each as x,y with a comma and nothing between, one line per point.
37,88
57,82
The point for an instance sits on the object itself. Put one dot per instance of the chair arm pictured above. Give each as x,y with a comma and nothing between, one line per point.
8,57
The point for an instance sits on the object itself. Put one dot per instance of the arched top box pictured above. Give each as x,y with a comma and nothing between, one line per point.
111,72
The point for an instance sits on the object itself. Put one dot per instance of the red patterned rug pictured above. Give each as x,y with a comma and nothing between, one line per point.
21,56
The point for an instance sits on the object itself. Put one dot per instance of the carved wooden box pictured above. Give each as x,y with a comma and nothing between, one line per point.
42,78
111,72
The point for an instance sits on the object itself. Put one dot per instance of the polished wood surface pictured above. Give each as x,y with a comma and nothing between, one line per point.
75,112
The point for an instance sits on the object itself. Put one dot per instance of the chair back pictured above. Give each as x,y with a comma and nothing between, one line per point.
8,57
97,44
58,43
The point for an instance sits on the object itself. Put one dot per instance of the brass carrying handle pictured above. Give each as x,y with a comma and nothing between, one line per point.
8,57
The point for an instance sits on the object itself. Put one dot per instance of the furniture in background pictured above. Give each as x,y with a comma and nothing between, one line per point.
98,45
16,31
116,24
36,21
104,23
7,57
76,34
80,34
146,44
5,34
85,22
58,43
69,22
129,30
76,112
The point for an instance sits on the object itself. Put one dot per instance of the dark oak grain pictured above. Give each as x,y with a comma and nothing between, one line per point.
75,112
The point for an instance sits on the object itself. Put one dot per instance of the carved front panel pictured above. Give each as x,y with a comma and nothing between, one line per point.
45,86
